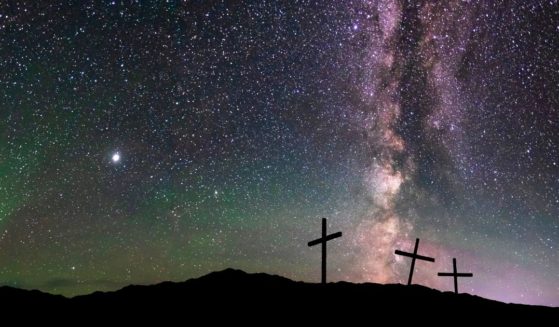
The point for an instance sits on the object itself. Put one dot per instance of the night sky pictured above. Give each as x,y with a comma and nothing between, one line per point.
144,141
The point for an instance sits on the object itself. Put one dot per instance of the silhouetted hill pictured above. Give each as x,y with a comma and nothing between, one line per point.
236,295
15,296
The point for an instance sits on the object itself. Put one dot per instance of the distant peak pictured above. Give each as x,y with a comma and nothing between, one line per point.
232,270
229,271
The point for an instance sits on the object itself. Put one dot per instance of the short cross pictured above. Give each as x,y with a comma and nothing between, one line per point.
455,274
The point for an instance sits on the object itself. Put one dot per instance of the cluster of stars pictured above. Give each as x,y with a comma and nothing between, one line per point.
151,141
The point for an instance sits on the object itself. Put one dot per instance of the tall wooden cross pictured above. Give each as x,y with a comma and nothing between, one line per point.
413,257
455,274
325,238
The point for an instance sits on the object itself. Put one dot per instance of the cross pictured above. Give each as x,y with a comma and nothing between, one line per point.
325,238
455,274
414,256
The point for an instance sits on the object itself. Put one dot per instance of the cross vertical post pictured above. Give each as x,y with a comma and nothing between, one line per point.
455,277
323,275
413,260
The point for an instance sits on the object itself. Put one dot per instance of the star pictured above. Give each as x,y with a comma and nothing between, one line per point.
116,157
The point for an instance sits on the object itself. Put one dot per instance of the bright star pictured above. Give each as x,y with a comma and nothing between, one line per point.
116,157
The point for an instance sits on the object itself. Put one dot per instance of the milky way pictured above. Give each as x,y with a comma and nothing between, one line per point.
146,141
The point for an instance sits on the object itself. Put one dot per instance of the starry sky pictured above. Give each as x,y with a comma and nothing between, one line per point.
144,141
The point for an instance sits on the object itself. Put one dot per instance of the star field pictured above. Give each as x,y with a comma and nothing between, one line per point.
144,141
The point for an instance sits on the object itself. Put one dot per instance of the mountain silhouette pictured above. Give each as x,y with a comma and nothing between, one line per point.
235,295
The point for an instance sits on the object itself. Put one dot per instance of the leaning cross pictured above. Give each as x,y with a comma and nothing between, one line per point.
455,274
325,238
414,256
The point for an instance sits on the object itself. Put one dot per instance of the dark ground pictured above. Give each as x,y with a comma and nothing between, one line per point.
235,296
